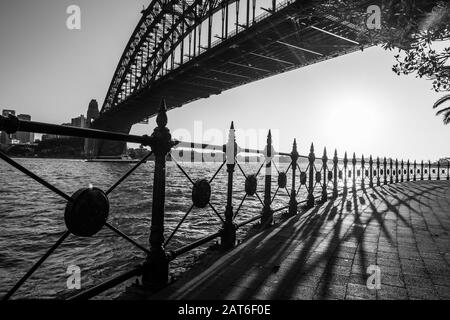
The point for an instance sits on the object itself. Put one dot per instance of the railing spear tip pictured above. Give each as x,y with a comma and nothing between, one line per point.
163,106
232,125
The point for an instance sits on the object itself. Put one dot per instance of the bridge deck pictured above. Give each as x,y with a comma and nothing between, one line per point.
324,254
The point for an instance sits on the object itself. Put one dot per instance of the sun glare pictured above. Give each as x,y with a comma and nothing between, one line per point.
350,117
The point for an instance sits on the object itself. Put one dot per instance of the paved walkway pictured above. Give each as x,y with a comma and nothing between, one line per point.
325,253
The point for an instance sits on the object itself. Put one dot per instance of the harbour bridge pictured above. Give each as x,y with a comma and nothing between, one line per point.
185,50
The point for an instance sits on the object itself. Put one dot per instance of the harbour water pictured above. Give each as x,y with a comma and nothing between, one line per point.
33,219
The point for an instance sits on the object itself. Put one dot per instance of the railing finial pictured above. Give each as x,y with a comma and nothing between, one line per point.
161,119
335,174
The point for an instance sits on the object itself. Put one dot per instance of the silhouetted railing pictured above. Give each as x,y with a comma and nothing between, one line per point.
312,179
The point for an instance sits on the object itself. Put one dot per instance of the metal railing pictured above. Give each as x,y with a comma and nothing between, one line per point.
312,179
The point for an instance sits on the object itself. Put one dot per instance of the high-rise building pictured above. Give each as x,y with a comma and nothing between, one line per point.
92,112
4,137
25,137
79,122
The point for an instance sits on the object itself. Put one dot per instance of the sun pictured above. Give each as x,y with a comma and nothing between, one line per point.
351,118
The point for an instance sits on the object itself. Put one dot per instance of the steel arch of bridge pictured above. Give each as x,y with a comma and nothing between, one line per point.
169,33
161,30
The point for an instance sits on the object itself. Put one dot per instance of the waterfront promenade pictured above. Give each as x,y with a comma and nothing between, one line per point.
324,253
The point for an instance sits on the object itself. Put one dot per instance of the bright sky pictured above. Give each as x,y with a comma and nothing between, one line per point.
354,103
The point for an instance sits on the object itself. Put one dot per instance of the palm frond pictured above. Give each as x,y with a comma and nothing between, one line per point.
441,101
447,119
445,110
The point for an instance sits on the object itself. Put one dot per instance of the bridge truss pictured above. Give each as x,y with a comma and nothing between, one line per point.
184,50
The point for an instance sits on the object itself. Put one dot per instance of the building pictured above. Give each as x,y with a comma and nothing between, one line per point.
4,137
92,112
49,137
25,137
79,122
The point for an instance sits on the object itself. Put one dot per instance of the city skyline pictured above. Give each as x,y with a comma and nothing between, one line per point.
353,103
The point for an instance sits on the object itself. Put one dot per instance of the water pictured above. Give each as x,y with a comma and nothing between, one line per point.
33,219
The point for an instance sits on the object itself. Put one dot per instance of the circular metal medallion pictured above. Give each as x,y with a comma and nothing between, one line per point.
282,180
251,184
201,193
87,214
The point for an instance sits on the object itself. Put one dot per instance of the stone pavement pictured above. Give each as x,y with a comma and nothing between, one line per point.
325,252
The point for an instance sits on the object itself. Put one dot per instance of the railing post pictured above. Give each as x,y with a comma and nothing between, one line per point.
267,214
421,170
448,169
438,171
335,174
345,173
378,172
156,267
325,171
363,172
312,158
354,172
415,170
391,167
228,237
408,168
370,171
396,170
385,172
429,170
293,204
402,166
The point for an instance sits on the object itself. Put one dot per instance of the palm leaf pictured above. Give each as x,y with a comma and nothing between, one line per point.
441,101
445,110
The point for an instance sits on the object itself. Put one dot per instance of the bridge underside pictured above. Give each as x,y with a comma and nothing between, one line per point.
288,39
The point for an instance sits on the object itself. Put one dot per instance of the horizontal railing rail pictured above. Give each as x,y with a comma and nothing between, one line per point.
300,180
12,124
